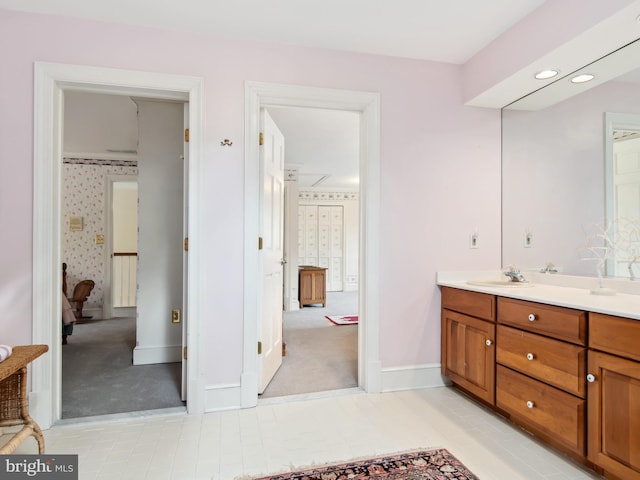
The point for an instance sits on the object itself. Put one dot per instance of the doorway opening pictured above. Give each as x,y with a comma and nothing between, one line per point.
622,192
131,347
320,255
366,105
51,82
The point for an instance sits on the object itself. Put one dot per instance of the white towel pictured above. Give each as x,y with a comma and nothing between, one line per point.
5,352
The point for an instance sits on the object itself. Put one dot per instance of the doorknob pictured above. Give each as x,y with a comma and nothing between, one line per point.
283,262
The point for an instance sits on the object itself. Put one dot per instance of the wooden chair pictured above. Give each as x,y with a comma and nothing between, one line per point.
80,293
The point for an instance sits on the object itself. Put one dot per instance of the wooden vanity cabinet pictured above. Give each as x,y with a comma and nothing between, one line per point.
540,379
614,395
532,362
468,333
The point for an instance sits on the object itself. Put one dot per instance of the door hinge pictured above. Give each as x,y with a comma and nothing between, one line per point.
186,244
186,135
184,352
261,139
259,243
259,348
175,315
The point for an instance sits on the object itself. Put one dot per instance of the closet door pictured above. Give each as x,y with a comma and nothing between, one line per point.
308,235
321,241
330,244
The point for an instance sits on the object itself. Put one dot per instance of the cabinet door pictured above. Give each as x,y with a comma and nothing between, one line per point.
468,355
614,414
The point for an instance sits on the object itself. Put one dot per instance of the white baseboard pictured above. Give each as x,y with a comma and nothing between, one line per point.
222,397
157,354
412,377
124,312
228,397
93,312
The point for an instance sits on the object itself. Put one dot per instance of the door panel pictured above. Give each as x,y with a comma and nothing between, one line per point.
271,255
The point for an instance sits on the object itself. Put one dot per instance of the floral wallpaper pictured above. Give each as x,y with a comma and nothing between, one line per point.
83,195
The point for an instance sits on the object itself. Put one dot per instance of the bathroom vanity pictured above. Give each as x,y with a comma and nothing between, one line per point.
557,361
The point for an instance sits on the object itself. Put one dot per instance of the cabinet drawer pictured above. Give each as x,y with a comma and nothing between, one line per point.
552,412
620,336
558,363
480,305
558,322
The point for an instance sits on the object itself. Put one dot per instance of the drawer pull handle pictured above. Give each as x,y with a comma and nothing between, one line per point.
591,378
488,343
530,356
530,404
532,317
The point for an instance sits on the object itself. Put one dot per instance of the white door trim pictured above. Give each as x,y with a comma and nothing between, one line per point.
50,82
259,95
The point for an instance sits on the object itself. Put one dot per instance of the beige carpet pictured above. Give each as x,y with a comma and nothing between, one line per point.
320,356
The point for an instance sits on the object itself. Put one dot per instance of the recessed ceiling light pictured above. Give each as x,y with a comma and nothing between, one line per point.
545,74
585,77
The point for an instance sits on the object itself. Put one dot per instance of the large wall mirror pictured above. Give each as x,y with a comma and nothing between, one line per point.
571,172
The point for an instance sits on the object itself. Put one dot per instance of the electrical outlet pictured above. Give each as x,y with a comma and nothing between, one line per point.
473,240
527,239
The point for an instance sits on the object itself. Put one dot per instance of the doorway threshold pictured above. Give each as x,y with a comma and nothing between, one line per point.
301,397
119,417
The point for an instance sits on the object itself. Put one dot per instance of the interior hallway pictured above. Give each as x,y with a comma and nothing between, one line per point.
283,435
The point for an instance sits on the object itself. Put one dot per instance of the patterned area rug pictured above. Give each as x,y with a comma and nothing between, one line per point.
421,465
343,319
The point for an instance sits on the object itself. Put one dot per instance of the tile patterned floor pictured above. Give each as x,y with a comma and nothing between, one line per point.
281,434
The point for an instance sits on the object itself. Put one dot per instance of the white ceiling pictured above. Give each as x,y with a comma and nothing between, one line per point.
322,145
319,142
446,31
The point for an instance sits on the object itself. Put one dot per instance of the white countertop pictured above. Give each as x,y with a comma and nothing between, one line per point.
555,289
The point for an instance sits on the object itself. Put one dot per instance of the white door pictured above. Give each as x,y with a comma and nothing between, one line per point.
321,241
271,233
626,184
161,232
185,260
330,244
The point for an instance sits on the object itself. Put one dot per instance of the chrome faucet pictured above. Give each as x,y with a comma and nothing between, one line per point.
515,275
549,268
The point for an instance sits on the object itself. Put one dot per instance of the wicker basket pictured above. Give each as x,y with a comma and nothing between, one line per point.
13,397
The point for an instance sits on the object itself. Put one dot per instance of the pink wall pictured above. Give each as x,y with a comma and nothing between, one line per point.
440,169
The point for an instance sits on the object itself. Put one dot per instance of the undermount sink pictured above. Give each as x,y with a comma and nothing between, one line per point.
499,283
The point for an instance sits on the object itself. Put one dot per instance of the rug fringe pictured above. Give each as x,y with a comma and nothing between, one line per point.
294,468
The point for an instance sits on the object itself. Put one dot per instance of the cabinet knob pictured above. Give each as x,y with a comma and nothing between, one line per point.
530,404
488,343
530,356
532,317
591,378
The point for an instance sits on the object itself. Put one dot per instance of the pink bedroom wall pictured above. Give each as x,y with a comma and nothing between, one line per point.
440,169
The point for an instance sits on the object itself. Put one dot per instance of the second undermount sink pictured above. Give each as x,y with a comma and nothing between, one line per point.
499,283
